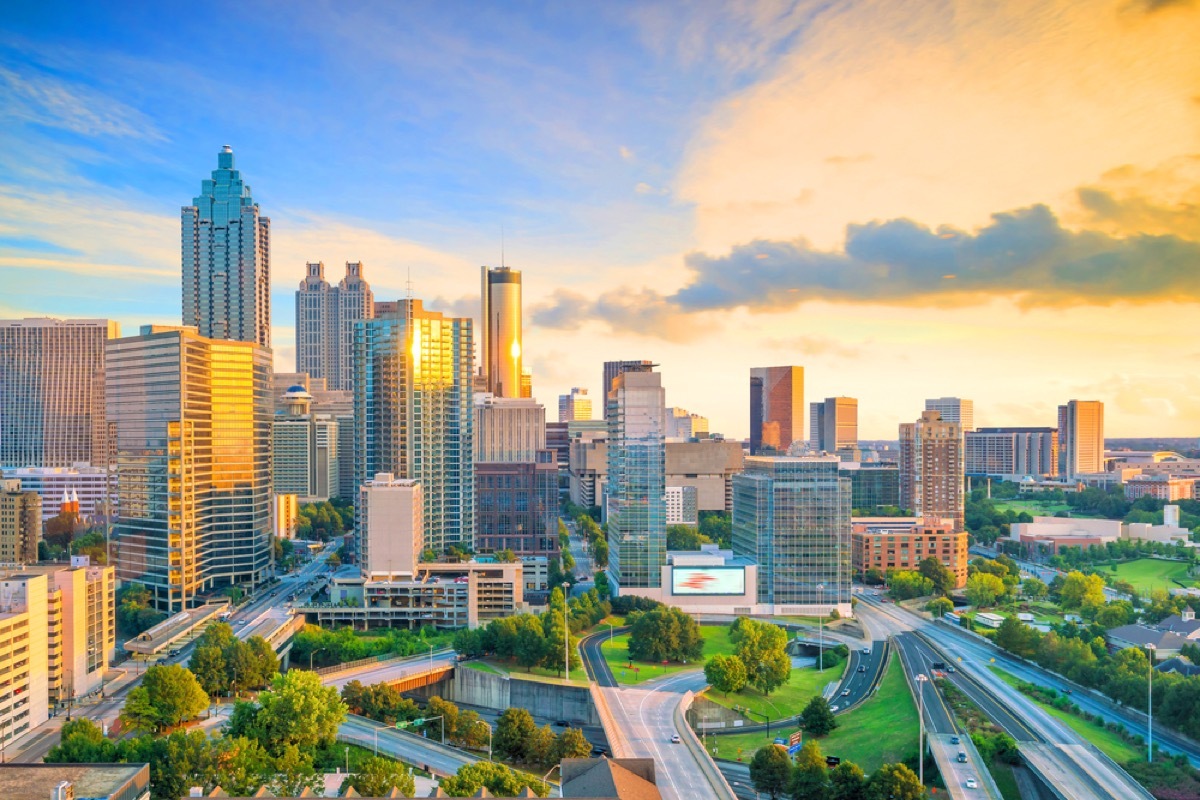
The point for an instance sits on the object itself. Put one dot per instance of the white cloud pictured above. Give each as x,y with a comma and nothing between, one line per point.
38,98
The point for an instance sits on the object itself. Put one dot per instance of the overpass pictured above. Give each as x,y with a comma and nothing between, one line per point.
410,672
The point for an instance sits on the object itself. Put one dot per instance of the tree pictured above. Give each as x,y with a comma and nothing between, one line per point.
847,782
376,777
1034,588
810,778
296,710
294,772
513,730
169,696
938,574
762,649
665,634
499,780
771,771
983,589
1079,590
572,744
540,747
894,782
505,556
530,646
725,673
82,742
817,718
208,665
939,607
1017,637
437,707
905,585
685,537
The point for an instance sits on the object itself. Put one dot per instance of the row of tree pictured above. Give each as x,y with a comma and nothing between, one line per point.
810,777
529,640
328,647
223,663
325,520
518,739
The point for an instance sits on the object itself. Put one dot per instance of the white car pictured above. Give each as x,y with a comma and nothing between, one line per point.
972,783
845,692
675,739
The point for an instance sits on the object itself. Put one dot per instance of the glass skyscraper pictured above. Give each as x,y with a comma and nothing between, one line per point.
502,341
192,419
414,413
227,259
792,516
637,487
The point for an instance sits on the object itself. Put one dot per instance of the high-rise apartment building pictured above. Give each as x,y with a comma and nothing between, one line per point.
931,468
954,409
193,459
501,342
833,425
52,392
304,448
1081,438
614,368
414,413
82,619
20,523
391,533
325,317
637,512
776,409
575,406
792,516
24,653
1011,452
227,259
508,429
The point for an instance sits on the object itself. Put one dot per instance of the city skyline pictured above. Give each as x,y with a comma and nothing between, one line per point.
629,233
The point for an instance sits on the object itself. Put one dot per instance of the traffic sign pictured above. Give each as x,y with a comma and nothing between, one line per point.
796,748
796,738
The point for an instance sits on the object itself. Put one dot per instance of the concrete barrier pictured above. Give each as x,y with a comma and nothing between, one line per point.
473,687
721,788
617,742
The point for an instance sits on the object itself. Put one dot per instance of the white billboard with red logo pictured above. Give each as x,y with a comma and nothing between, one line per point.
708,580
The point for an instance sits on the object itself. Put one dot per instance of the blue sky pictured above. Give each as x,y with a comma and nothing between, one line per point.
646,162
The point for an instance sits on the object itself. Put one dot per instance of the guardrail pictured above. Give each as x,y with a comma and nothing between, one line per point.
412,738
715,779
612,731
386,658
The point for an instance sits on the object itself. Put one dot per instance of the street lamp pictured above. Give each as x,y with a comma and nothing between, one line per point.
922,679
431,658
1150,703
310,657
821,629
489,730
547,775
566,587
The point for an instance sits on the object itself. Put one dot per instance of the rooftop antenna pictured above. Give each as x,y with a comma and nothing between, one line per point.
408,283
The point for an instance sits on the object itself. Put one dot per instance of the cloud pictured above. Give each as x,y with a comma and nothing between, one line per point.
38,98
814,346
625,152
1026,255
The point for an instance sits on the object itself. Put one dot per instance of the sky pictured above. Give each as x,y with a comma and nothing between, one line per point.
998,201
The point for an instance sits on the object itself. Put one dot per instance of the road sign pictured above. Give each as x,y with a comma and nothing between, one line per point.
796,748
796,738
781,740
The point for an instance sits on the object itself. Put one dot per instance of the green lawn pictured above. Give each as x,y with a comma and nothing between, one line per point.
1036,508
540,674
1109,743
616,653
882,730
1150,573
1006,782
481,666
786,701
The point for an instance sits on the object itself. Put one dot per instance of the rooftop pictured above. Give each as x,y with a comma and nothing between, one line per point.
35,781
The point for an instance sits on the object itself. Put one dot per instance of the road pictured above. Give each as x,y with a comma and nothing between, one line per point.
389,671
584,569
408,747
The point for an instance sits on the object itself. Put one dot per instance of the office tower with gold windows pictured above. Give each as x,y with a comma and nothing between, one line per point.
193,435
776,409
500,350
414,413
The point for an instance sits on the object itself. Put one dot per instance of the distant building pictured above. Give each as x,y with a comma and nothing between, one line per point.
574,406
52,410
1011,452
20,523
792,517
1160,487
391,535
1081,437
614,368
286,516
508,429
833,425
896,543
325,317
88,486
707,465
227,259
873,484
954,409
931,468
305,460
776,409
681,505
682,424
516,506
1055,533
500,334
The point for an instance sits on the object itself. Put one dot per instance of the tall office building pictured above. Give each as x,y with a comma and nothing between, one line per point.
20,523
392,532
508,429
227,259
516,506
637,510
614,368
682,424
872,485
792,516
776,409
52,392
954,409
1081,437
193,457
931,468
304,450
833,424
325,317
501,343
1011,452
575,406
414,413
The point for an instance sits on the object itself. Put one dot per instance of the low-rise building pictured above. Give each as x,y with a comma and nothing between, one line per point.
681,505
67,781
1160,487
1166,644
89,486
886,543
1055,533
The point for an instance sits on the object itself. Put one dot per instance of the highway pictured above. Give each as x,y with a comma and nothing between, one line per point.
389,671
408,747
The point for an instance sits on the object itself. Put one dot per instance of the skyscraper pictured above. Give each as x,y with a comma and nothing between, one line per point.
1011,452
954,409
304,450
508,429
574,406
833,424
637,510
931,468
614,368
52,392
227,259
193,455
776,408
502,339
1081,437
792,516
325,317
414,415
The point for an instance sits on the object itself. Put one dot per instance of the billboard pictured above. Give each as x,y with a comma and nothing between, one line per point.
708,580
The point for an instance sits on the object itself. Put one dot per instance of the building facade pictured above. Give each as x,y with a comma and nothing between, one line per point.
681,505
24,653
414,413
873,485
91,487
508,429
792,517
81,619
776,409
682,424
884,544
227,259
574,406
304,449
954,409
516,506
931,468
193,449
636,499
325,317
1081,437
1009,452
20,523
52,410
501,338
614,368
833,425
391,536
1160,487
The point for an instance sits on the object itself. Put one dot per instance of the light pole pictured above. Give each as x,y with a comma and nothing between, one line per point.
547,775
610,632
566,587
431,658
921,681
489,730
821,629
347,759
313,653
1150,703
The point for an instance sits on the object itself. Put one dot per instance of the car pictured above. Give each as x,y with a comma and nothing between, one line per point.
675,738
861,668
562,723
972,783
955,740
173,653
938,665
950,668
962,756
866,651
834,708
845,692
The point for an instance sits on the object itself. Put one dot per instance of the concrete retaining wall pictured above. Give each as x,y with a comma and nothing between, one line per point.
484,689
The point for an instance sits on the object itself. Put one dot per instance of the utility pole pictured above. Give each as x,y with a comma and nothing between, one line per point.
1150,703
921,680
